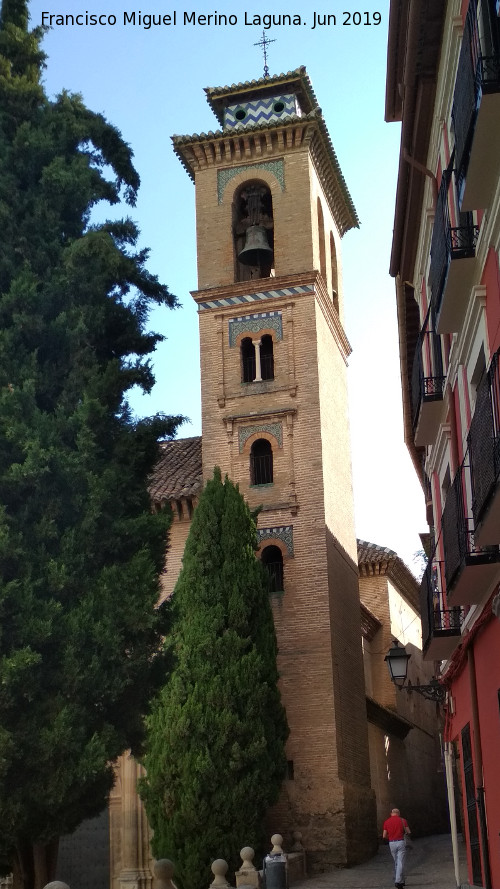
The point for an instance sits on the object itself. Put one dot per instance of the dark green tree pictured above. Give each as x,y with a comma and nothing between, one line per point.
80,549
215,748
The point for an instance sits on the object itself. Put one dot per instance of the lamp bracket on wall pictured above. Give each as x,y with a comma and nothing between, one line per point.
397,661
432,692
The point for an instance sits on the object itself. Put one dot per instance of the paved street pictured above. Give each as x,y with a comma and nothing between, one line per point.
429,864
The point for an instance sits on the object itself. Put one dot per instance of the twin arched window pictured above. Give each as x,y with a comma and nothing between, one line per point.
257,359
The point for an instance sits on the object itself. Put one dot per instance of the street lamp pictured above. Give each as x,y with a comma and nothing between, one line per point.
397,661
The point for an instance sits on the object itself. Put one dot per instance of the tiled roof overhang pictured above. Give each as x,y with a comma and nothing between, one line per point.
178,473
297,81
379,560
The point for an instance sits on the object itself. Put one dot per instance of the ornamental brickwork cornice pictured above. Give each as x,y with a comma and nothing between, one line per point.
225,299
260,141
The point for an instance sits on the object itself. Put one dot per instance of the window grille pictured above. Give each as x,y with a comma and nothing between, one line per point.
272,558
261,463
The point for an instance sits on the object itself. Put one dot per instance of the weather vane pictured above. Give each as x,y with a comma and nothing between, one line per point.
264,43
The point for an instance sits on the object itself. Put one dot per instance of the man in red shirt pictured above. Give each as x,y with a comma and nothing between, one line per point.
395,830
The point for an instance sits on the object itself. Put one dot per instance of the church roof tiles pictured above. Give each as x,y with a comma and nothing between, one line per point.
382,561
178,471
370,553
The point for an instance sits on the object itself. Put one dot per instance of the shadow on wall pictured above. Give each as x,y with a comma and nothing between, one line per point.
416,781
350,703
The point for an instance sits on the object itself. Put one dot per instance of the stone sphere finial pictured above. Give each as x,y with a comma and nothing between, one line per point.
247,856
277,841
163,870
297,841
219,869
56,884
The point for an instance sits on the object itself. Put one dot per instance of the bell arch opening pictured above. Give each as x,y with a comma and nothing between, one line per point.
253,231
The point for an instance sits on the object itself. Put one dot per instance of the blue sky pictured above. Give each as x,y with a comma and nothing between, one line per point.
149,83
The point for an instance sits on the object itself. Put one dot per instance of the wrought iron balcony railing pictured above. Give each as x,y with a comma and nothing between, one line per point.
478,72
458,540
484,441
461,551
428,377
440,624
448,242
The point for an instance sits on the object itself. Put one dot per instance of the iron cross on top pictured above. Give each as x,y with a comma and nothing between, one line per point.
264,43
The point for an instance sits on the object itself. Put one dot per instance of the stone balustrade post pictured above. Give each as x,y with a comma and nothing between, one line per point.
247,875
56,884
163,870
219,869
277,841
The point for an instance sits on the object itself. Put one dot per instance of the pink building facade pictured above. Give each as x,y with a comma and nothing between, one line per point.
443,85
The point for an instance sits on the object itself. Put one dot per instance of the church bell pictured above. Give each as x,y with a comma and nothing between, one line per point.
256,251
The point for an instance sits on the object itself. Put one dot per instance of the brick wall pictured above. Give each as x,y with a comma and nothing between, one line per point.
406,771
303,413
179,530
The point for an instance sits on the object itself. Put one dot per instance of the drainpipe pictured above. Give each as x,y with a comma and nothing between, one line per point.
455,463
478,769
448,754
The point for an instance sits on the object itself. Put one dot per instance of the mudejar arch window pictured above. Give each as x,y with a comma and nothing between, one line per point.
272,559
257,359
261,462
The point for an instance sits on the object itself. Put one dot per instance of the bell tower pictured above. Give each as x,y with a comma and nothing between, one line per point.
271,209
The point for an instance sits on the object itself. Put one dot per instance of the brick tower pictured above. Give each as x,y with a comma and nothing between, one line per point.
272,207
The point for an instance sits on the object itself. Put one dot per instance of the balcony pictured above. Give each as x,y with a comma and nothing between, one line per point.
484,457
476,108
453,254
470,570
427,386
441,627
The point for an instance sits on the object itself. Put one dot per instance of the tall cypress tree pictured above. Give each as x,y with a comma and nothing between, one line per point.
80,549
215,749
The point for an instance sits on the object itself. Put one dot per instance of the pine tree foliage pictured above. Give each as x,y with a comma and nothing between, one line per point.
215,747
80,549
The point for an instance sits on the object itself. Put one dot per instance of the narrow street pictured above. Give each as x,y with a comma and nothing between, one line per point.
429,864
